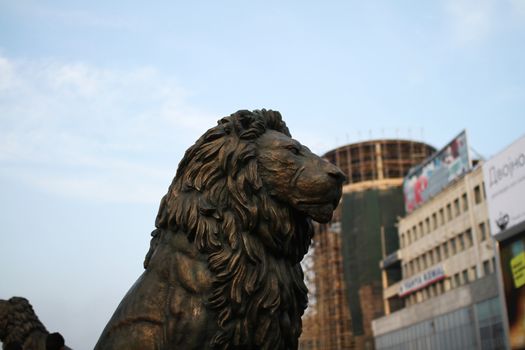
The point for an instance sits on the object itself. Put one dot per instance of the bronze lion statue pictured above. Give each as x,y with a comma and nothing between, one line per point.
223,269
19,323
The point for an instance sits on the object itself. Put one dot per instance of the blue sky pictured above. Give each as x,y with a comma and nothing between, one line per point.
99,100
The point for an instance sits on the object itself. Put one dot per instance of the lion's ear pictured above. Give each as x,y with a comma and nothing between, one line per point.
243,121
275,121
246,120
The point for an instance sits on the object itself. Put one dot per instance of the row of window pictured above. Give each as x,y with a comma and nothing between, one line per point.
431,223
458,279
445,250
433,256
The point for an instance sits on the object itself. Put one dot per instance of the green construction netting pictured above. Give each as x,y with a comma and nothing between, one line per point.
363,215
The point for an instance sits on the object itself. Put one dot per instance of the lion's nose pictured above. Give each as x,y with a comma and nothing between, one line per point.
336,173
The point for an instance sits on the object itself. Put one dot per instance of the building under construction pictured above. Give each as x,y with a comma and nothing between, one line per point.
347,251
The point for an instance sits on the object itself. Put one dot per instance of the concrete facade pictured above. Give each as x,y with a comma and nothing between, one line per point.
446,260
450,230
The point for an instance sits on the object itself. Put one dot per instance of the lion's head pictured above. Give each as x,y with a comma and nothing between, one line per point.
250,167
293,175
245,194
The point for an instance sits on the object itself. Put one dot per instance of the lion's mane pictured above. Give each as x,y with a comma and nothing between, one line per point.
20,321
253,242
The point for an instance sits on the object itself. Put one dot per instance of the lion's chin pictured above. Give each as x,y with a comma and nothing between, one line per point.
322,213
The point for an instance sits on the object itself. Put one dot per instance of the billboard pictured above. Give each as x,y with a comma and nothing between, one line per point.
504,176
512,260
429,178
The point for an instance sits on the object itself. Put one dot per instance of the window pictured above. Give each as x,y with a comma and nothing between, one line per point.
414,234
477,194
456,207
465,202
402,240
431,258
486,268
465,276
457,281
439,287
453,249
448,284
421,232
427,224
445,250
438,254
419,296
468,238
449,212
461,240
473,273
432,290
482,232
425,293
441,216
434,221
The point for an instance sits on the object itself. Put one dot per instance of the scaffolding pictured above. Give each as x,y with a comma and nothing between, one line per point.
348,291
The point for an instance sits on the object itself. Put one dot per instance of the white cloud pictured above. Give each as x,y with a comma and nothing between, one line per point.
78,79
6,74
518,7
78,130
471,20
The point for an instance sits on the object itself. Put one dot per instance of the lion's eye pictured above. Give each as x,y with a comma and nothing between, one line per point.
294,149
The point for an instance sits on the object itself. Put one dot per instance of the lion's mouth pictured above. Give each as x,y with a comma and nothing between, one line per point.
314,203
320,211
319,203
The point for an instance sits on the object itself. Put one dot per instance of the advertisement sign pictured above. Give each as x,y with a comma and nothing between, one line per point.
504,176
417,282
512,260
428,179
